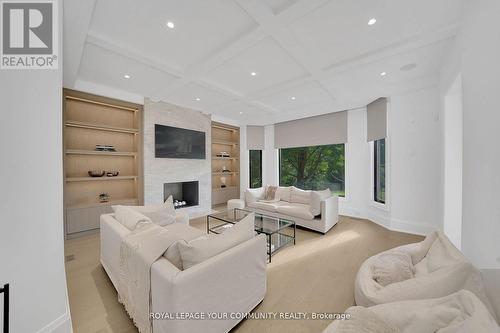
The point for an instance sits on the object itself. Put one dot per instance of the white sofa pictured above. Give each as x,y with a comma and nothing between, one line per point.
315,210
232,281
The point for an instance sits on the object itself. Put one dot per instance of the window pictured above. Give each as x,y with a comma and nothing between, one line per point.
313,168
379,170
255,168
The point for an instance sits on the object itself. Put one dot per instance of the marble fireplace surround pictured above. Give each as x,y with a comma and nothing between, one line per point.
158,171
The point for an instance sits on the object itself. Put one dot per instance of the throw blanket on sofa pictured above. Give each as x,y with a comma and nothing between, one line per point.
138,252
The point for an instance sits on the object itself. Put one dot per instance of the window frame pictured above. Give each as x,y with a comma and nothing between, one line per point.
341,197
250,168
375,171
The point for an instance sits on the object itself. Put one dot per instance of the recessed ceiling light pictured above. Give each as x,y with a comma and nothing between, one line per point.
372,21
241,112
383,74
253,73
292,98
170,24
197,98
126,76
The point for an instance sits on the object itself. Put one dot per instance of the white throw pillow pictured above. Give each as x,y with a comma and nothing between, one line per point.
316,198
392,267
129,218
284,193
162,214
300,196
185,234
207,246
254,194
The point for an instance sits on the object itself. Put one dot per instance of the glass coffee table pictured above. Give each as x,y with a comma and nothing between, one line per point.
279,232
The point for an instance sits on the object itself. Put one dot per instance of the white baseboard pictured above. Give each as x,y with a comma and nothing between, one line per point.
412,228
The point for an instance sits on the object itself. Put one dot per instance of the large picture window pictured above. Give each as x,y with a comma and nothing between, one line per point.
255,168
379,170
313,168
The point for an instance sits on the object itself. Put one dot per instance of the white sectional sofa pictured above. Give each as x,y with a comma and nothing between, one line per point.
233,281
315,210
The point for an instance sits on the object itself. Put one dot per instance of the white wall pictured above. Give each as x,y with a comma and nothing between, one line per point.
476,58
31,199
453,161
158,171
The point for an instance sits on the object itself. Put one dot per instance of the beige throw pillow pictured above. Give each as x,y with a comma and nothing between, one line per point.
207,246
392,267
162,214
129,218
271,194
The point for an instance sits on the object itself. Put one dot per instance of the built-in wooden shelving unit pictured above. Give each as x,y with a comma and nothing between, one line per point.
225,138
90,120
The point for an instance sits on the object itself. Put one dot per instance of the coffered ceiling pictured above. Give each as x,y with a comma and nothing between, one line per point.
258,61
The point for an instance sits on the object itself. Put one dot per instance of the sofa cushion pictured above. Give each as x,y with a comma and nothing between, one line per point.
296,210
254,194
186,234
316,198
128,217
271,194
162,214
284,193
269,206
207,246
300,196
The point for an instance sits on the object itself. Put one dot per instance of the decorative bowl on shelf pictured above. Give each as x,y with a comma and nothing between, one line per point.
112,173
96,173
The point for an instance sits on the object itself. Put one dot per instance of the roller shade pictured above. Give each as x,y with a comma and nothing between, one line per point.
376,118
313,131
255,138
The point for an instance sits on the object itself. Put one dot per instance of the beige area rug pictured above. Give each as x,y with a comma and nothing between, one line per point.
315,275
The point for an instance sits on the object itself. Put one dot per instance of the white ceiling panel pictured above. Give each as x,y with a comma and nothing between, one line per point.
267,59
365,82
201,27
108,68
339,30
199,97
279,5
298,97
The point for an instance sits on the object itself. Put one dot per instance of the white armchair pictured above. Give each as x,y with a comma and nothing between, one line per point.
439,270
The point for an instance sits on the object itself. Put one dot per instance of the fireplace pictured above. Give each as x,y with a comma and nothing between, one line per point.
185,194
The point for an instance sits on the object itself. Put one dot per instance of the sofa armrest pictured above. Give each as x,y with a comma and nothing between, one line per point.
181,217
232,281
330,211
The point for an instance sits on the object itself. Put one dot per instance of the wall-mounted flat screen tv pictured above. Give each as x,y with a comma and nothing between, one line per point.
174,142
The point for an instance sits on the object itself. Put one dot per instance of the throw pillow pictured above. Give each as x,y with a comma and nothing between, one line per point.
300,196
284,193
162,214
271,193
254,194
185,234
207,246
392,267
129,218
316,198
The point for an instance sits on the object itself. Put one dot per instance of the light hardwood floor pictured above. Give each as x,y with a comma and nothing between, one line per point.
315,275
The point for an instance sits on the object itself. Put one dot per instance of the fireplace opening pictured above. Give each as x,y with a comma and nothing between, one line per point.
185,194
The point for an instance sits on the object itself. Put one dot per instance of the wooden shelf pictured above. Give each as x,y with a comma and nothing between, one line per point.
227,143
103,204
225,173
224,188
97,152
97,179
224,128
85,100
79,124
224,158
